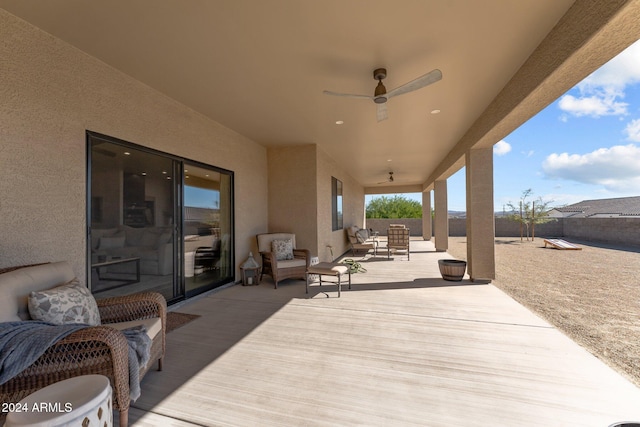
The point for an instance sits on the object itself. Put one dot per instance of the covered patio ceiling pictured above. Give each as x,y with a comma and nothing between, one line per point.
260,67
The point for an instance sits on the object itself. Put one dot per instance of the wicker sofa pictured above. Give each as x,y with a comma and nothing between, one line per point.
99,349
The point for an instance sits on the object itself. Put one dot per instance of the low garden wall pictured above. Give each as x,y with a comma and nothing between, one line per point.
625,231
507,228
382,224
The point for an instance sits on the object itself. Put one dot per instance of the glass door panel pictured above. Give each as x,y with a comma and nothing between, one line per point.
207,226
132,229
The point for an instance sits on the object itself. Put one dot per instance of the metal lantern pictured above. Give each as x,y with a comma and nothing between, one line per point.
250,271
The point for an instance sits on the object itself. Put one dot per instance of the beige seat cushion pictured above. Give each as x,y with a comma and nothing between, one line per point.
153,325
288,263
328,268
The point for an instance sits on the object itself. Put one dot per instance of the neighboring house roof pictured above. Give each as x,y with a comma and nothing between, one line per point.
602,208
200,214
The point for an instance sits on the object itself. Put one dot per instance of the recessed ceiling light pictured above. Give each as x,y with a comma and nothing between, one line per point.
168,177
186,176
126,153
339,122
164,172
436,111
144,174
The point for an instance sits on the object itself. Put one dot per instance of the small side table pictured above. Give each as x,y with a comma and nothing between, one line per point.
328,269
77,401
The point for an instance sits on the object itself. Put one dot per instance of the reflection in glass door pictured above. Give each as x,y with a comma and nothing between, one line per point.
156,222
132,220
207,225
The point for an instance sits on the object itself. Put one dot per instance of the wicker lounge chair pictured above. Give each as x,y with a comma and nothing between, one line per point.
93,350
293,268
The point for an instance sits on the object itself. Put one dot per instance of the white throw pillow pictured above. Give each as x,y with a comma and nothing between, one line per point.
68,303
283,249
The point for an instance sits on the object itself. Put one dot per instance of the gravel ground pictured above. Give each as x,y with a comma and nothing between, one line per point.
592,295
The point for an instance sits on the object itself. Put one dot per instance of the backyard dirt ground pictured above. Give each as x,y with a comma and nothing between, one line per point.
592,295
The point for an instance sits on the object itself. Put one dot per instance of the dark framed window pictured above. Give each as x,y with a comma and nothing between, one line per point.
336,204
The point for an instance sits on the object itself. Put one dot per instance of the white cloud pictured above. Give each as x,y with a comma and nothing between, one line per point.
600,92
621,71
633,130
593,106
501,148
617,169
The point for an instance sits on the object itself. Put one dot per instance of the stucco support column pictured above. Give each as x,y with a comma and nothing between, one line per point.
441,221
426,215
481,263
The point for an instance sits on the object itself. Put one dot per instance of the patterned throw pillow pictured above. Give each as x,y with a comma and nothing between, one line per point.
283,249
68,303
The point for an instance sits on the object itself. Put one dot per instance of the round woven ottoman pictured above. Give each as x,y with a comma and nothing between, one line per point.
80,401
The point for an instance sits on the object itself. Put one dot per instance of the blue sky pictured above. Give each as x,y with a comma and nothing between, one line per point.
201,197
585,145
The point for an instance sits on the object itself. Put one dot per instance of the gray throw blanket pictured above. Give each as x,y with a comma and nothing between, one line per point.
22,343
139,353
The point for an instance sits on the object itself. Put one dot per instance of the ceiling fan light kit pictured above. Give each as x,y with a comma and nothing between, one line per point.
381,96
378,96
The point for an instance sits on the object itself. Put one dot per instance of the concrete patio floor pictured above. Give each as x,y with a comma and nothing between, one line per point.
403,347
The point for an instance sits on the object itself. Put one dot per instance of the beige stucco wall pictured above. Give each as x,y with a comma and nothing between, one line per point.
300,198
50,93
352,205
292,195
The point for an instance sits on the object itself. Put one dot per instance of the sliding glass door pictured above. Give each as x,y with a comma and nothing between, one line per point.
156,222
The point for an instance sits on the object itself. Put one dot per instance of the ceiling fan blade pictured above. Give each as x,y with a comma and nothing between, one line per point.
347,95
381,112
388,180
422,81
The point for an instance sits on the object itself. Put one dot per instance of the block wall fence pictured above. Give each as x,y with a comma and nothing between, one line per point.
625,231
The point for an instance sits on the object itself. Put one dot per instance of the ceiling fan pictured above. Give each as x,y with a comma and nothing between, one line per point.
390,179
381,96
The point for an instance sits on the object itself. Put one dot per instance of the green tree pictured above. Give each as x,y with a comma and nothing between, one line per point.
529,213
394,207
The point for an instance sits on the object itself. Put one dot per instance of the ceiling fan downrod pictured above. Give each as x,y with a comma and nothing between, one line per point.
379,95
